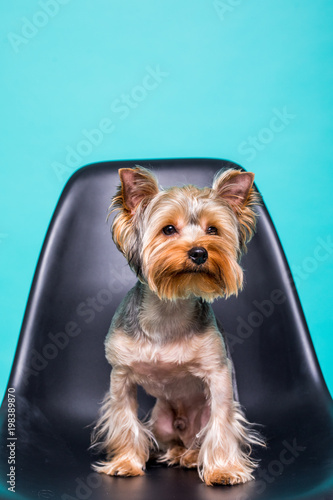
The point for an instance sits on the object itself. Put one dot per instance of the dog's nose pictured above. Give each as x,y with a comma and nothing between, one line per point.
199,255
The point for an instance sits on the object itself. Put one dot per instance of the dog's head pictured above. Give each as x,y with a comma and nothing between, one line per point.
185,241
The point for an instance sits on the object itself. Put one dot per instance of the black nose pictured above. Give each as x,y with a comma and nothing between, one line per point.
199,255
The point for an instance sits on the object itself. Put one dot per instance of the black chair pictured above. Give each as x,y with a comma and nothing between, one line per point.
60,373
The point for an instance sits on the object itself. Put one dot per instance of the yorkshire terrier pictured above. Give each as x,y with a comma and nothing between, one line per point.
184,244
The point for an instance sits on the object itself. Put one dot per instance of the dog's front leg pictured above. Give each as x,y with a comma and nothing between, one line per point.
119,432
224,457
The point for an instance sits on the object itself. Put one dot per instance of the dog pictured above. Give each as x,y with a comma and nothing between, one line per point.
185,245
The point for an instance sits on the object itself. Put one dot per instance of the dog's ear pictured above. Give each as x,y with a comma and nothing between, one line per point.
236,188
137,184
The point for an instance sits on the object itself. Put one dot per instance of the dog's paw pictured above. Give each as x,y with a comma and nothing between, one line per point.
120,466
229,475
189,459
179,455
173,455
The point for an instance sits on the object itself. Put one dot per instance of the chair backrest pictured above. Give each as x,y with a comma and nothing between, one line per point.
81,278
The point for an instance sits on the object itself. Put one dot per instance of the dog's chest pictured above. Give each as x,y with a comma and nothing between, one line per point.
169,370
166,380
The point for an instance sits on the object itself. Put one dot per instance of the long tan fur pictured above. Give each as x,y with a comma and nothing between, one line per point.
164,335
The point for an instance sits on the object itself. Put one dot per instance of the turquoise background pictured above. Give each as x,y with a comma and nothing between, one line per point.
168,79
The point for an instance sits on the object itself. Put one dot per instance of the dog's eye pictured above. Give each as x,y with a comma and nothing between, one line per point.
168,230
211,230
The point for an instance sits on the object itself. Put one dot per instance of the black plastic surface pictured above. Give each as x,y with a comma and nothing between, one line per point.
60,378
